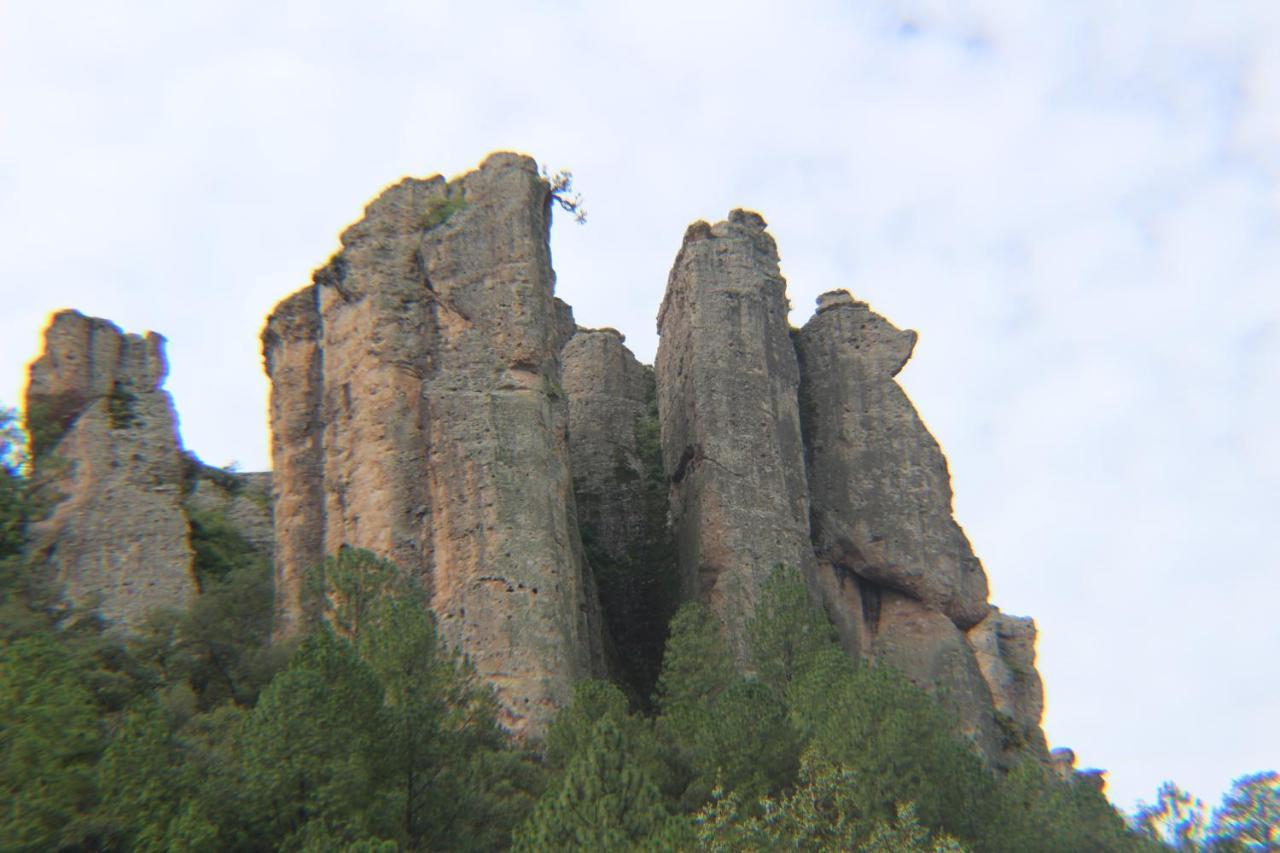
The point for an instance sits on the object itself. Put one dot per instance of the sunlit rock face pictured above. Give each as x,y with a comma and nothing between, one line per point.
107,456
434,429
727,381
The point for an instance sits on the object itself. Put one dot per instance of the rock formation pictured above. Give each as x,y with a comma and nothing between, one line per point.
727,380
435,430
292,356
1005,648
433,402
621,495
878,481
103,432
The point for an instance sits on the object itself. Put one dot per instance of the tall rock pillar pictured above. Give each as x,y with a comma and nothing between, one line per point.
292,357
106,445
442,425
727,383
898,574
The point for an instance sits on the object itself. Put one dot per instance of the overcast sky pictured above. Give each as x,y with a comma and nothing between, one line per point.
1075,204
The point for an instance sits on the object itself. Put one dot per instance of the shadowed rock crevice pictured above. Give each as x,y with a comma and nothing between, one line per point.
621,495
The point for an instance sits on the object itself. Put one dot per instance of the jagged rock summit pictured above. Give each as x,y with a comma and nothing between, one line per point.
108,458
418,412
433,401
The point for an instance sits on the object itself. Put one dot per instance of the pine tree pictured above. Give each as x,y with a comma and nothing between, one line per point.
605,802
788,631
50,740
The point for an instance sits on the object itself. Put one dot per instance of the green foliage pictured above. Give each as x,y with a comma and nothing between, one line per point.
788,632
441,209
605,802
149,790
44,428
121,407
697,666
220,646
1176,819
1038,811
896,739
822,812
1249,817
638,590
310,744
50,736
219,547
560,186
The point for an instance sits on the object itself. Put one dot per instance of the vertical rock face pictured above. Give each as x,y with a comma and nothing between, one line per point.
621,496
926,646
292,356
897,574
608,393
878,481
442,427
727,379
1005,648
104,435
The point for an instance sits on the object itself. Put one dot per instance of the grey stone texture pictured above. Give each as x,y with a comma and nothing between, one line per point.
117,539
441,426
1005,648
879,484
608,390
727,380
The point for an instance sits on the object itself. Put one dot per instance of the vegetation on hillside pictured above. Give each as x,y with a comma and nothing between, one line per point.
370,734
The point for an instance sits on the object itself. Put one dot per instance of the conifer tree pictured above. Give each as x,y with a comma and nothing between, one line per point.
605,802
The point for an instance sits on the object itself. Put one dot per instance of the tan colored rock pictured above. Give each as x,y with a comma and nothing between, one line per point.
1005,648
927,647
444,442
106,443
293,361
727,380
878,481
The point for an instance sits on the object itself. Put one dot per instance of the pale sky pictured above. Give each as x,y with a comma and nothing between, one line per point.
1077,205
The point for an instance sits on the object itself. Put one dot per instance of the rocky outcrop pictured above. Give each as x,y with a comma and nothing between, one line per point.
621,496
103,432
608,391
727,380
879,485
442,425
930,650
241,499
1005,648
293,361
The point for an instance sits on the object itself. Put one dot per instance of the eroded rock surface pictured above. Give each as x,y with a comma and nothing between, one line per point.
294,362
621,495
608,391
930,650
879,485
444,425
1005,648
105,442
727,380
